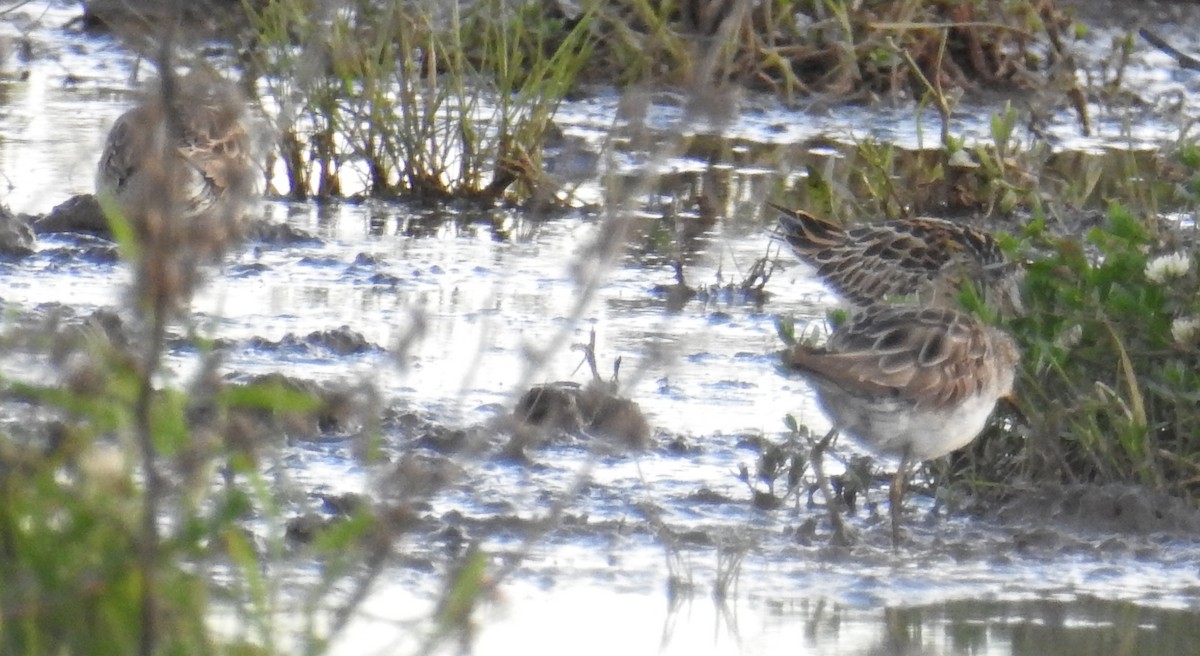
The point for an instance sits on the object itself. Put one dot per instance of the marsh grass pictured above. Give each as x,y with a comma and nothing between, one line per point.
433,102
909,48
1012,174
453,102
848,50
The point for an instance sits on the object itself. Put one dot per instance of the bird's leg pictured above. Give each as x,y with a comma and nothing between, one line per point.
840,537
896,496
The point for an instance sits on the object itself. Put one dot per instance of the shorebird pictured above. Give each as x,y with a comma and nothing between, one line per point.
923,259
181,156
177,171
909,381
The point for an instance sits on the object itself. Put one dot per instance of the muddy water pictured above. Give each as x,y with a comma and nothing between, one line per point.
499,302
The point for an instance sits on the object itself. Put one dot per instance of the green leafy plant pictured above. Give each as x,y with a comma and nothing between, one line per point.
1112,355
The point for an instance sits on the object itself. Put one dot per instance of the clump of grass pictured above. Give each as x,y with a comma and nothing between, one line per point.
458,102
840,48
1013,173
419,105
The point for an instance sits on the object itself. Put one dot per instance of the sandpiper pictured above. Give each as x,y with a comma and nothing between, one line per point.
909,381
923,259
177,173
188,157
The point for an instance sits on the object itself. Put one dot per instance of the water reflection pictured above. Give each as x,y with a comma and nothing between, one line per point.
552,619
1077,626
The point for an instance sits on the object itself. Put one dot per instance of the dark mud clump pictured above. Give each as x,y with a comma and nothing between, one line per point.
16,237
80,213
338,342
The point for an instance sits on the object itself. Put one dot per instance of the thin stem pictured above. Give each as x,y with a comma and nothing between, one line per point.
896,496
159,306
153,484
841,537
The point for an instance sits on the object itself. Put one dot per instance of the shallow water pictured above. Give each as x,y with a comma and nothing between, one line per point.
501,302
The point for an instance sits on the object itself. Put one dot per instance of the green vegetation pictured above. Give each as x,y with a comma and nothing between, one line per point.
1112,362
425,106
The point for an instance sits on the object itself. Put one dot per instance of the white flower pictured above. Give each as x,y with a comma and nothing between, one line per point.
1166,267
1185,330
1070,338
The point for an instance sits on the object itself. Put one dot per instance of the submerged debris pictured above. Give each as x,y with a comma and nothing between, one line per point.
16,237
592,409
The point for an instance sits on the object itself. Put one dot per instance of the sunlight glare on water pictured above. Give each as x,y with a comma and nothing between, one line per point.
486,306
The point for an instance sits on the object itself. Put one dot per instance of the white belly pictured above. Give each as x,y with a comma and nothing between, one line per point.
891,426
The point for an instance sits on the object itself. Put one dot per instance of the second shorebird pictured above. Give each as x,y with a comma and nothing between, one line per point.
922,259
907,381
182,155
178,171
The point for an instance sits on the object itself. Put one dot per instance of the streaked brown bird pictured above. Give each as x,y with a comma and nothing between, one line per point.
193,152
923,259
178,170
913,382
